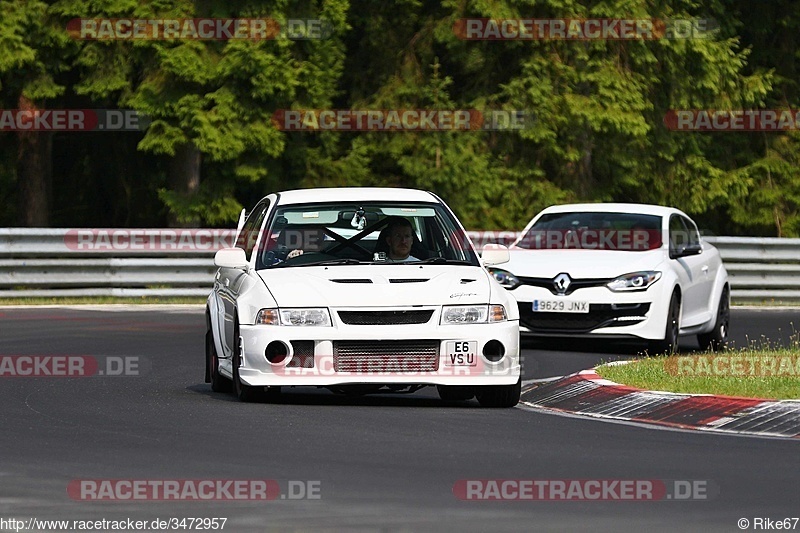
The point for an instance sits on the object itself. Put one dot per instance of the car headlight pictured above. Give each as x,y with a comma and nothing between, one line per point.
305,317
635,281
294,317
472,314
268,317
504,278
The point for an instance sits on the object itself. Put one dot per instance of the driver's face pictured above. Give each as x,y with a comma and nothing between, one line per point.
400,240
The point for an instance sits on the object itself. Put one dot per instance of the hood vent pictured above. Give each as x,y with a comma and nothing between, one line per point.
352,280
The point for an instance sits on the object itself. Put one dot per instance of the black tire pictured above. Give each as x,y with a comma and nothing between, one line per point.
455,393
499,395
219,383
244,392
717,338
669,344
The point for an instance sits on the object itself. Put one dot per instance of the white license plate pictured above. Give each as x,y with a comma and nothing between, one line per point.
559,306
461,353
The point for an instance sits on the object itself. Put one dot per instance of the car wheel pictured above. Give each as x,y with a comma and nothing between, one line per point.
499,395
669,344
219,383
244,392
455,393
717,338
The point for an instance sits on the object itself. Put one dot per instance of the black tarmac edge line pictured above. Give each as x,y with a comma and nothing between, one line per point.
586,393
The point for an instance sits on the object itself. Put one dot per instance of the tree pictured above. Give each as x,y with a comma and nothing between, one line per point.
34,51
211,102
765,164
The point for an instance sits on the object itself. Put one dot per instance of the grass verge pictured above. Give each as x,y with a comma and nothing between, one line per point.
765,303
766,372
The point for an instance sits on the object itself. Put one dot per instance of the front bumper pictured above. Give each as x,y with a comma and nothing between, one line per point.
395,354
612,315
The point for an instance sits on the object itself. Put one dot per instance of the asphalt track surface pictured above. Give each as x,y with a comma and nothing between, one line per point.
381,463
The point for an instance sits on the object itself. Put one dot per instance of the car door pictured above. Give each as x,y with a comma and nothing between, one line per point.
229,280
705,276
689,269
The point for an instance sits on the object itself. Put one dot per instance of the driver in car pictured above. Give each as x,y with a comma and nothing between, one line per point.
305,240
400,238
398,235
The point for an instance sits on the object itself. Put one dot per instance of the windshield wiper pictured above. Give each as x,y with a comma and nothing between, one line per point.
442,261
342,261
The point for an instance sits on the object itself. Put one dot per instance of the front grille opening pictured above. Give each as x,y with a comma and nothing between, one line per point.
599,316
575,284
385,318
386,356
303,355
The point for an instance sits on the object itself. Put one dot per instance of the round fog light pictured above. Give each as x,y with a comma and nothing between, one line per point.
494,350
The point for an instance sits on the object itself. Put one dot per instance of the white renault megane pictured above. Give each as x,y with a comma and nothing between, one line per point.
360,290
618,271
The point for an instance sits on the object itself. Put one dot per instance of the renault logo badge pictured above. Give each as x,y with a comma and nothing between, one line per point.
561,283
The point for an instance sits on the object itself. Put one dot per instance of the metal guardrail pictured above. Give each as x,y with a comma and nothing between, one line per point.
44,262
763,269
37,262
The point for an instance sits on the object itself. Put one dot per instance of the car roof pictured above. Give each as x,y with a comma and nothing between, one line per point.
354,194
644,209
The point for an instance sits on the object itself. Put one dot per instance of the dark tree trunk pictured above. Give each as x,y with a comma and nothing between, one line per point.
34,173
184,179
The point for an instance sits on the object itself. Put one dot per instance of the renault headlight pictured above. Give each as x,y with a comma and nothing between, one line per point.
635,281
504,278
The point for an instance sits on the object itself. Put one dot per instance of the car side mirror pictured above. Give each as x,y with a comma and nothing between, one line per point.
230,258
495,254
688,249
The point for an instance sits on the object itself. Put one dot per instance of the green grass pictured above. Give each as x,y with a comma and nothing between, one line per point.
766,303
102,300
746,372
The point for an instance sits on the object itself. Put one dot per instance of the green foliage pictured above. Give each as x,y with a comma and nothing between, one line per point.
33,50
598,107
771,188
213,205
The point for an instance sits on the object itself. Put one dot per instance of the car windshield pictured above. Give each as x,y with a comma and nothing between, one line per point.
363,233
628,232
